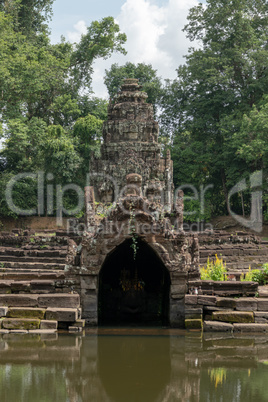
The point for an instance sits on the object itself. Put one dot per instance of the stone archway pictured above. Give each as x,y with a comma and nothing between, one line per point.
133,291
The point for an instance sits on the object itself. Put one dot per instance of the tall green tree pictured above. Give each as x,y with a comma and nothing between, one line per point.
220,82
147,76
44,90
36,77
29,17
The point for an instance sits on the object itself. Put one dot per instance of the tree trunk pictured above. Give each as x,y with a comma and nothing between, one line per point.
225,191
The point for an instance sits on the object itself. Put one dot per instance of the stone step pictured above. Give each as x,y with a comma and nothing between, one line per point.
33,286
53,314
25,312
20,323
4,259
263,291
241,266
23,252
246,328
30,265
12,274
233,252
217,326
233,316
238,259
261,317
61,300
32,241
62,314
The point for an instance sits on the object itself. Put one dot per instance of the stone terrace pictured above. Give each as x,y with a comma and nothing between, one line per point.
239,250
35,294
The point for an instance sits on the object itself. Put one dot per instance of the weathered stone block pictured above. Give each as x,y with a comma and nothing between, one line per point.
191,299
178,291
75,329
89,282
89,301
91,318
246,304
176,313
59,300
4,331
214,326
193,324
48,324
79,323
251,328
261,317
193,310
26,312
3,311
225,302
262,304
44,332
19,300
62,314
233,316
177,278
44,286
193,316
21,323
207,300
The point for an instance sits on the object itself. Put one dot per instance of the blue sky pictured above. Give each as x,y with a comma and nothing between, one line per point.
153,28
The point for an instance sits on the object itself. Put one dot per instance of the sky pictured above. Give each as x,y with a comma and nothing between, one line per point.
153,29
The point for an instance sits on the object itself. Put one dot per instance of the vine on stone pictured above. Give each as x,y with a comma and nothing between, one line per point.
132,229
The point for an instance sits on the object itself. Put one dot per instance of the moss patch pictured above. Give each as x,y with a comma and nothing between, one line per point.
193,324
20,323
233,316
26,312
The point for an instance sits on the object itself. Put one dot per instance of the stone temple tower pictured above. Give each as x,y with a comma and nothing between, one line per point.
135,261
131,146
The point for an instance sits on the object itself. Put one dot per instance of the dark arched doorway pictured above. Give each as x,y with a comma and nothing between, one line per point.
133,291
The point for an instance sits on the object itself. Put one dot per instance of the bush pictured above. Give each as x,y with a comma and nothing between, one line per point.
256,275
214,270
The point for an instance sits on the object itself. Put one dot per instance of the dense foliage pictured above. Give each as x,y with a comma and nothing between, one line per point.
146,75
50,121
213,116
216,109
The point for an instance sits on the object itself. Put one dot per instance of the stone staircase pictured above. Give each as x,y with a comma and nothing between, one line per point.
227,314
35,294
239,250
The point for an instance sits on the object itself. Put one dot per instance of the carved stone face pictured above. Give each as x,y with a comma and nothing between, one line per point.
107,197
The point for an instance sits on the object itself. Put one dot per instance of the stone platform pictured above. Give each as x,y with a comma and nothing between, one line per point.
35,294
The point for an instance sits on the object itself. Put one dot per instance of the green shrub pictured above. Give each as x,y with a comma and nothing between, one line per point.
214,270
256,275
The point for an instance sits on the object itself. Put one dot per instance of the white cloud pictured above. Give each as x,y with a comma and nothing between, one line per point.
154,36
80,29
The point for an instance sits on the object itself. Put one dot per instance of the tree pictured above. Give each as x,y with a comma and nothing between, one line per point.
87,133
220,82
29,16
44,91
146,75
101,40
36,77
95,106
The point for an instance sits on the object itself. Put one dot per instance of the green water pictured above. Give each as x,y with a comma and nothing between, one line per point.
133,365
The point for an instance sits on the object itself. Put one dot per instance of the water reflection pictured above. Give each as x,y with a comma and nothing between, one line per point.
133,365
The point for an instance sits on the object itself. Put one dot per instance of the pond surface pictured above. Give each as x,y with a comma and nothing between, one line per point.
133,365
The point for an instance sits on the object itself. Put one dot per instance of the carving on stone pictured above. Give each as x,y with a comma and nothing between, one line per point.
143,211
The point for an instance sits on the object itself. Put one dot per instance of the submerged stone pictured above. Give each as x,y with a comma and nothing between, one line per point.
193,324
